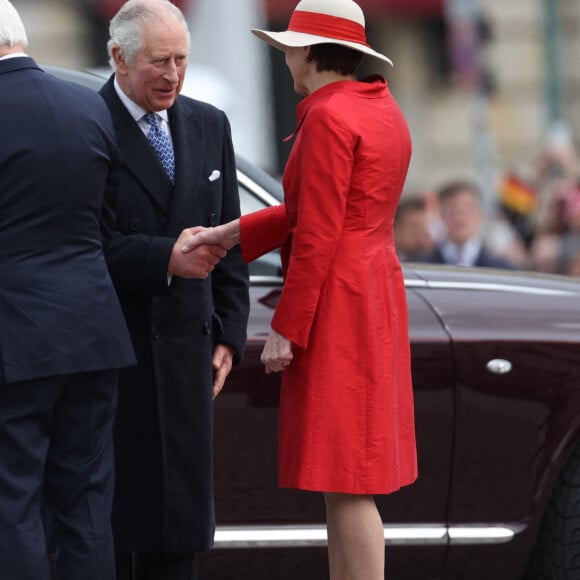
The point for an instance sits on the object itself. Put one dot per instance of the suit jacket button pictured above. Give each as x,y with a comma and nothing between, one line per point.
135,225
206,328
213,220
154,332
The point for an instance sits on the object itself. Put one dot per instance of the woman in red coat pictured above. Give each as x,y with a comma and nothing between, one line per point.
340,330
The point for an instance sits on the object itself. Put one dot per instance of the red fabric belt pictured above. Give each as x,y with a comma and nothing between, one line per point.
328,26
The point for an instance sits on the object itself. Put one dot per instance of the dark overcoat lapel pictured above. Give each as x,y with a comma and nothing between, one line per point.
140,159
138,156
188,137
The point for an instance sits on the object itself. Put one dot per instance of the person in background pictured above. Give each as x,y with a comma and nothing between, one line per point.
179,170
339,332
557,174
62,331
462,215
505,241
413,238
549,227
570,239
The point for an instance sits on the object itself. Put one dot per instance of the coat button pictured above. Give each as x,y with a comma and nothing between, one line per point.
135,225
206,328
154,332
213,220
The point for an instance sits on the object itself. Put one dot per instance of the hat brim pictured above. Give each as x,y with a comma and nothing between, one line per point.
288,39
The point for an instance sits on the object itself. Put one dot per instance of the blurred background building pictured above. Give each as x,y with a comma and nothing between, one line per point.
486,85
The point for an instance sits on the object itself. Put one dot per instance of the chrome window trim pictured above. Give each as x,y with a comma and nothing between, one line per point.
435,285
231,537
266,280
266,198
487,286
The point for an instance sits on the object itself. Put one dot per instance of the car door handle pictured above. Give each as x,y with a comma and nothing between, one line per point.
499,366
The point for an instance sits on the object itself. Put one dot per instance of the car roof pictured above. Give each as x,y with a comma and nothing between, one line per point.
92,80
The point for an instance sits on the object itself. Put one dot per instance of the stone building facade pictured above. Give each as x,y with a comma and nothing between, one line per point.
444,117
452,138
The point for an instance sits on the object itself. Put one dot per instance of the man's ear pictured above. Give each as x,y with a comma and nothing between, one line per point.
119,59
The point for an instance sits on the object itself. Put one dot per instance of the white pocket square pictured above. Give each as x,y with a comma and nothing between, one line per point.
215,174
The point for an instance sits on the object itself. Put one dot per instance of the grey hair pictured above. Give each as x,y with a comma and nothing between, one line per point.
12,31
126,27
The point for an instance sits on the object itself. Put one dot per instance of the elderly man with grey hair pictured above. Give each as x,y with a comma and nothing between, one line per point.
62,331
179,172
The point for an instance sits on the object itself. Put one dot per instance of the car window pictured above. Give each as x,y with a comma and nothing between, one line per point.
269,264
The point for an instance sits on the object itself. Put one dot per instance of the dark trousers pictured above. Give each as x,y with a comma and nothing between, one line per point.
56,444
156,566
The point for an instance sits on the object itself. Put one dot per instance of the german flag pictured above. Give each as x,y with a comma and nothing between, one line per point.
516,195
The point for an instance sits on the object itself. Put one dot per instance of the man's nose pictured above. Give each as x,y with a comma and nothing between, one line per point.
171,71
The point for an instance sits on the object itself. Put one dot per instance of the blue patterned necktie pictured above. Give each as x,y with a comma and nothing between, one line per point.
162,145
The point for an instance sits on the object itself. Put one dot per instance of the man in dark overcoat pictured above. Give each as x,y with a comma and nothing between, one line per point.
187,332
62,331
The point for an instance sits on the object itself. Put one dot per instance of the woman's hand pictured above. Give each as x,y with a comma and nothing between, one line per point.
226,236
277,353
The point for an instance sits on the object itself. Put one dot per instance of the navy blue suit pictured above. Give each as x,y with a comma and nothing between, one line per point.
62,331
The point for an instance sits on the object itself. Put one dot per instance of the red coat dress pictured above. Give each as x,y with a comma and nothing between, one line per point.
346,407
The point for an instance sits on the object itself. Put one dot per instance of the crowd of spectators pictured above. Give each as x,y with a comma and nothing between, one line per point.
534,224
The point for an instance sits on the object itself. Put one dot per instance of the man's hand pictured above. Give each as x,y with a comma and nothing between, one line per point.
226,236
199,262
222,361
277,353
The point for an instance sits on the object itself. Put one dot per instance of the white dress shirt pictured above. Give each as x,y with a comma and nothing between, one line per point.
138,112
465,255
13,55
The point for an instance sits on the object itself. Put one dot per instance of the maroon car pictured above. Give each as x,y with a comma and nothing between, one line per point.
496,373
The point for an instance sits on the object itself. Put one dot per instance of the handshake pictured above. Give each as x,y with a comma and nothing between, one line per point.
198,250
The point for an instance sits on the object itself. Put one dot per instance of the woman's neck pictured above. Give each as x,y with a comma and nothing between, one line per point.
321,79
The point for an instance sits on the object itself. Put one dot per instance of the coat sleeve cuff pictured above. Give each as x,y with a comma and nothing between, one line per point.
263,231
235,337
158,264
294,321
